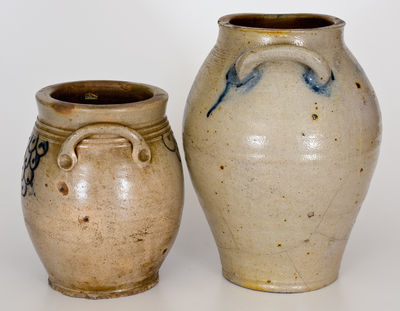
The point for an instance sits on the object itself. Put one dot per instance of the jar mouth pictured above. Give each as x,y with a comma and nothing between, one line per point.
274,22
97,93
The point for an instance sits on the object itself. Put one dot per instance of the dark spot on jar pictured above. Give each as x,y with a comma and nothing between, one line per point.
46,185
164,251
308,253
269,281
302,134
279,245
310,214
336,139
316,108
314,116
306,240
83,219
222,167
62,188
361,169
358,85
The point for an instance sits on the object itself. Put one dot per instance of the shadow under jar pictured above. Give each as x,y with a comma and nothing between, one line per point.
102,187
281,134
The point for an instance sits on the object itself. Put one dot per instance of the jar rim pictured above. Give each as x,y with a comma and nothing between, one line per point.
293,22
94,94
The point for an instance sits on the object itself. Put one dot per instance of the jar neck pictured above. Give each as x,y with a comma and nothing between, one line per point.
246,31
69,106
58,135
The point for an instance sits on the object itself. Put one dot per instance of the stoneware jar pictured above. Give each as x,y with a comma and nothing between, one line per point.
281,136
102,187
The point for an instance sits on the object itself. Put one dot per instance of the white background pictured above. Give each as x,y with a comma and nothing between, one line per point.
164,43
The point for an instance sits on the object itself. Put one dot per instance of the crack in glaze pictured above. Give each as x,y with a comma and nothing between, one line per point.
297,271
332,238
326,210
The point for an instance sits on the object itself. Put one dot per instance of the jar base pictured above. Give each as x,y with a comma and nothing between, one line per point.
126,290
276,287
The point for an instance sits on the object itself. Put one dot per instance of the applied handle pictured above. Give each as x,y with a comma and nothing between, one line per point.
67,157
249,60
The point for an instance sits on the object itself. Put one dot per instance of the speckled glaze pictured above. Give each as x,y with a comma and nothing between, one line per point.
281,135
102,187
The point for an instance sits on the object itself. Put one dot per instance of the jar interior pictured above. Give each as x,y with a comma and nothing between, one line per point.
101,93
281,21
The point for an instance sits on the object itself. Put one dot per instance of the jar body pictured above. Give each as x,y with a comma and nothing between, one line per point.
280,166
103,228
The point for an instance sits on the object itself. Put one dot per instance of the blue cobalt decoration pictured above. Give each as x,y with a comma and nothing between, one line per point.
33,153
232,81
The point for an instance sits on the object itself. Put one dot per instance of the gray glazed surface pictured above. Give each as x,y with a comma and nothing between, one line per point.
281,135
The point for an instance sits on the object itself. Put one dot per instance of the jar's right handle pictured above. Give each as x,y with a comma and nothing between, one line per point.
249,60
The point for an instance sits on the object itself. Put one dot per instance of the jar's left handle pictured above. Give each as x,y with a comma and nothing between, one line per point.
67,157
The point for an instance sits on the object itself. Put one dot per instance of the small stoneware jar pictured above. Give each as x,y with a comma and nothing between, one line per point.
102,187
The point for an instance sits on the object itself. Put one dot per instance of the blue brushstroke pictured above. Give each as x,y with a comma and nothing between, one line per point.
232,80
34,152
313,82
244,86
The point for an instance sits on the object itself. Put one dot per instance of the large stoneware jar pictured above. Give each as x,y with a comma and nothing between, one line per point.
281,135
102,187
